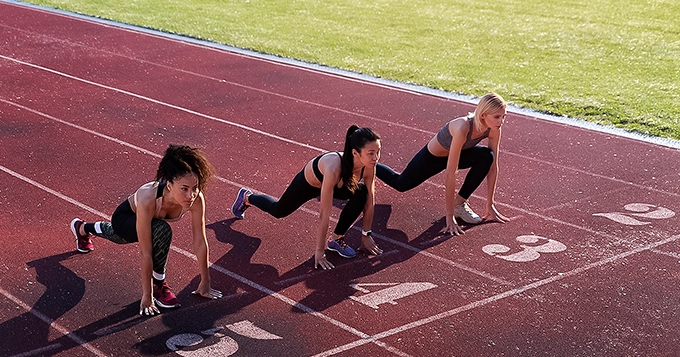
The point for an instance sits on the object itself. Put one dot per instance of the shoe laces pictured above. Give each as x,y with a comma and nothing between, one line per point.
467,208
163,287
341,242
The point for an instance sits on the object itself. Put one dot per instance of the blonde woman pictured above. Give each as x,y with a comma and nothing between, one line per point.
455,147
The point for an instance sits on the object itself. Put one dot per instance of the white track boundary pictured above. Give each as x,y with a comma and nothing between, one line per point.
353,76
364,338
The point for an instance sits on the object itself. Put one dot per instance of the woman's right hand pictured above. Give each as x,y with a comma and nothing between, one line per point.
320,259
452,226
147,307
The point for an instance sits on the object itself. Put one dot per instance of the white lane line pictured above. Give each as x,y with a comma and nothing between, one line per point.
236,84
392,85
139,319
374,258
290,141
212,46
52,323
492,299
218,268
236,184
670,254
172,106
588,173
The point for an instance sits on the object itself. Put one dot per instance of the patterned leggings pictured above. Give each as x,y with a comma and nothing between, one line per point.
123,230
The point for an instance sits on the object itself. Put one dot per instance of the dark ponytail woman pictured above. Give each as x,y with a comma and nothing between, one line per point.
143,217
332,175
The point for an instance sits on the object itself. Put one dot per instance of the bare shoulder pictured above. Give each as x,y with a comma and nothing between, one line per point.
330,162
459,125
330,166
146,194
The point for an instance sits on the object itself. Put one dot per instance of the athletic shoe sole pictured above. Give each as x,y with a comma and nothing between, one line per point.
238,203
75,233
159,303
340,253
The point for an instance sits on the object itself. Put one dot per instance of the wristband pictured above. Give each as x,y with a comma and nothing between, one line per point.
367,233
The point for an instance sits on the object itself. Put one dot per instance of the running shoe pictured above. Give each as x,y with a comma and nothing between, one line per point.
83,242
163,296
339,246
466,213
239,207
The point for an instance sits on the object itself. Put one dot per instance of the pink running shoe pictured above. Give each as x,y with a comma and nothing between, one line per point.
163,296
83,242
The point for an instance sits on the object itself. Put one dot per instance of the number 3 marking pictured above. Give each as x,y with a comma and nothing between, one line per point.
529,253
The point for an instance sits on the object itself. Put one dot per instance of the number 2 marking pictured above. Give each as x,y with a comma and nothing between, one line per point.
641,210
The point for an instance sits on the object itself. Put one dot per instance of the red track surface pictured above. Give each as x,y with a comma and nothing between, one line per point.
87,108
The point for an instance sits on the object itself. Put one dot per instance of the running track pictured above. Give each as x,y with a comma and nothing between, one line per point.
587,267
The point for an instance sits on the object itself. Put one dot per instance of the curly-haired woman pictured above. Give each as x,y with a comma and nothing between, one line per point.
144,216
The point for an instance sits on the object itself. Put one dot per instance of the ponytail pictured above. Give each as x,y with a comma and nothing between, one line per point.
355,139
346,174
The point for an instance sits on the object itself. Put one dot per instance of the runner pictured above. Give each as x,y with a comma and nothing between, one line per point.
330,175
177,189
455,146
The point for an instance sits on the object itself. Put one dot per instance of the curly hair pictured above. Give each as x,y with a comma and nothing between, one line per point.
356,139
181,160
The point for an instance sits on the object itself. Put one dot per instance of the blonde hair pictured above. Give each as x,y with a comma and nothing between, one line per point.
489,103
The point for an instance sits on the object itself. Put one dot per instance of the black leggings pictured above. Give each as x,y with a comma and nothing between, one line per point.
425,165
300,191
123,230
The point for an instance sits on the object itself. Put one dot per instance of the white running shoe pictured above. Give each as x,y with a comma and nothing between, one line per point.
466,213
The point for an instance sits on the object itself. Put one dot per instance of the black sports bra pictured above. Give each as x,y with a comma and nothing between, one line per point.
317,172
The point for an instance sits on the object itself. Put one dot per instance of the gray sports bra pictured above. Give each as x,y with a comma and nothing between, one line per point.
444,136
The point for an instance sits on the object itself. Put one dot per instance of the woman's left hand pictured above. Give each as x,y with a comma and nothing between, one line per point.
368,244
208,293
493,215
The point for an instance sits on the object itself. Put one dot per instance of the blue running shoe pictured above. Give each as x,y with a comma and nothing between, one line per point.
239,207
339,246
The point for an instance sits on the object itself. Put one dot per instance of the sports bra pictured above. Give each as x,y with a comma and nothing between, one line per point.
317,172
159,201
445,138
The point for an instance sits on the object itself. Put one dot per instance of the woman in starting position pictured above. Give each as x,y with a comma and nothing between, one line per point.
453,148
330,175
177,189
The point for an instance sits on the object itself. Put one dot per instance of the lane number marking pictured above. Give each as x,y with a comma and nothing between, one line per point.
640,210
216,342
388,295
529,252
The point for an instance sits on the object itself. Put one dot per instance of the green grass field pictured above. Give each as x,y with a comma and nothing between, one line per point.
614,62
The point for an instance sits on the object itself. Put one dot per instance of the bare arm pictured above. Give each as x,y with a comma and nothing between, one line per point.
367,242
146,207
330,168
492,178
459,132
200,243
